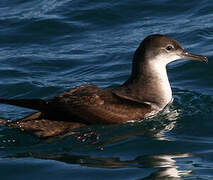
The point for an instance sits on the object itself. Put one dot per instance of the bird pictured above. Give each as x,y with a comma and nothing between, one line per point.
145,93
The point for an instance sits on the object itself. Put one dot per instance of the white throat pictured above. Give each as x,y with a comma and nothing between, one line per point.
159,84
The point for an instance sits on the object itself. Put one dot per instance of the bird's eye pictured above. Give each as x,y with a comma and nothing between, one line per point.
169,48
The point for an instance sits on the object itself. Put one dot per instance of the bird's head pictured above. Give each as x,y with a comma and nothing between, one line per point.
163,49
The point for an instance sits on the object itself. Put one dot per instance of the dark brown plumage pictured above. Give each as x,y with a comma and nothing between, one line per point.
75,108
145,93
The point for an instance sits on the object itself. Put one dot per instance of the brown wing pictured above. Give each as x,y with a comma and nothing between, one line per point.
76,108
92,105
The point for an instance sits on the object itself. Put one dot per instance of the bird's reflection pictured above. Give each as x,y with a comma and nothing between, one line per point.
165,164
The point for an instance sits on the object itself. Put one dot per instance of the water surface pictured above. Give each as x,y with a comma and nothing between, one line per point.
49,46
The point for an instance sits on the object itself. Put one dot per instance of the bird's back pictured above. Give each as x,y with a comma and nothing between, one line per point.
92,105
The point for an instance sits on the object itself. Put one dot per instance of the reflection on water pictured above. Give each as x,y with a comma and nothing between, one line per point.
167,164
163,165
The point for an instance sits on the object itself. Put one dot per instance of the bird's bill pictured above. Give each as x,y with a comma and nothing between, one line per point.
186,55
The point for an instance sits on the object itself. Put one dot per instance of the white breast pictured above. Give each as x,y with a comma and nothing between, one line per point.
161,83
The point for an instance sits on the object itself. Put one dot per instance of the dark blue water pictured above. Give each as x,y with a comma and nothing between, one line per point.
48,46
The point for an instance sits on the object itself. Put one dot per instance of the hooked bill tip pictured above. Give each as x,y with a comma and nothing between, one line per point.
190,56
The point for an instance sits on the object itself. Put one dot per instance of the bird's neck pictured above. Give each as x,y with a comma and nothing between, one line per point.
148,83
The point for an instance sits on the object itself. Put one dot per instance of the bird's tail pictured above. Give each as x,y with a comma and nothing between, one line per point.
36,104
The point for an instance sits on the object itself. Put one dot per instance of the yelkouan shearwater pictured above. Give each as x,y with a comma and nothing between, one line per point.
145,93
